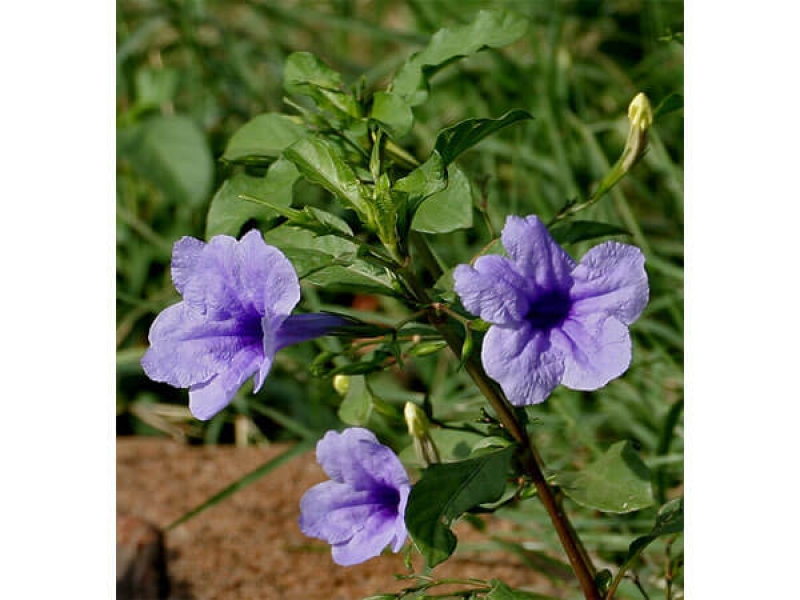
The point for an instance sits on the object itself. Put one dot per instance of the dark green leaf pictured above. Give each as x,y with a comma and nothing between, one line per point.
618,482
305,74
449,209
445,492
455,140
320,164
393,113
490,29
263,138
572,232
173,153
228,211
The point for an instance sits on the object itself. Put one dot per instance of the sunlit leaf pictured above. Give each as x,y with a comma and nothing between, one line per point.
491,29
263,137
449,209
229,211
618,482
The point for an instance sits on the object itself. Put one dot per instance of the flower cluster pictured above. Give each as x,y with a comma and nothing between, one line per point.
553,320
234,317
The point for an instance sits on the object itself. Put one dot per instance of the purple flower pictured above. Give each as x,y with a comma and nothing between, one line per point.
234,317
361,510
553,321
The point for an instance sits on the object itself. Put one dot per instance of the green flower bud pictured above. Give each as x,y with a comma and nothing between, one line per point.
341,383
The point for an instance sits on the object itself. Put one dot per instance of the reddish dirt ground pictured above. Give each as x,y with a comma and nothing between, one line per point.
249,546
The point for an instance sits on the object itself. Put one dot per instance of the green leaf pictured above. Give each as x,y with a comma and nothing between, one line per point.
571,232
449,209
501,591
320,164
424,181
154,87
618,482
453,445
263,138
228,211
358,277
305,74
393,113
669,520
445,492
490,29
455,140
173,153
356,407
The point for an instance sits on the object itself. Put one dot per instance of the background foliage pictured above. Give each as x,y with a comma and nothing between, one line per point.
189,74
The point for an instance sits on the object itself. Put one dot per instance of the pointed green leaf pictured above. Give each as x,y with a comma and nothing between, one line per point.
319,163
455,140
571,232
172,153
263,138
491,29
228,211
618,482
392,112
305,74
449,209
445,492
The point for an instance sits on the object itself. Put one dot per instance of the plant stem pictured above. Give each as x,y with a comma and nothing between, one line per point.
530,457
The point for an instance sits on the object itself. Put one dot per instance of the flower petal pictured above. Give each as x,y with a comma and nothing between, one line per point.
357,458
596,350
333,511
493,290
523,361
185,256
300,328
241,278
377,532
611,279
207,399
265,276
188,349
536,254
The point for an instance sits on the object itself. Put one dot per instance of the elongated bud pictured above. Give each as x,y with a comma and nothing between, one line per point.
341,383
419,430
640,114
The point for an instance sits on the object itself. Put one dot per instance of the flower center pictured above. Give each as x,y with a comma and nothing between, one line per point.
549,310
388,498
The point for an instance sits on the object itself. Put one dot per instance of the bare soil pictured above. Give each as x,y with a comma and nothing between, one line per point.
249,546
